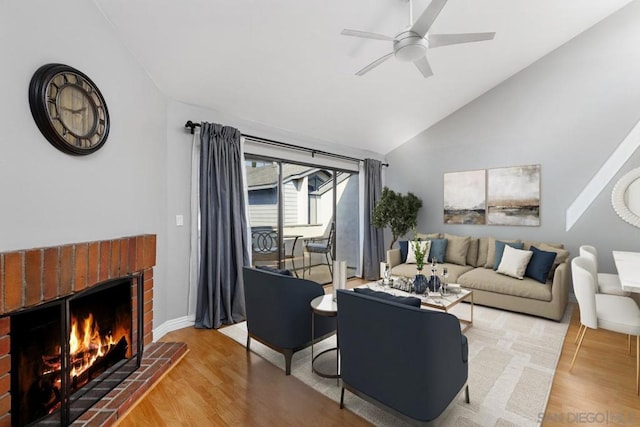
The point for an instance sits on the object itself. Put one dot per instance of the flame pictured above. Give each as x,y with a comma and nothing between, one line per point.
86,345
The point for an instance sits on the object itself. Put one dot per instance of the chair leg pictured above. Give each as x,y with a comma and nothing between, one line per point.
288,354
578,349
342,398
248,342
638,365
303,264
579,331
326,255
629,343
466,394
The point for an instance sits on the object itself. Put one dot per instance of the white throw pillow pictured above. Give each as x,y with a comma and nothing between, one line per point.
411,256
514,262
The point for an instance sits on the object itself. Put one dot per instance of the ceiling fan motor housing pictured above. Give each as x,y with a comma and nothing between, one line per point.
409,46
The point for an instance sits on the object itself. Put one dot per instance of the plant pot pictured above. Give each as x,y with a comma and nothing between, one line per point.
419,283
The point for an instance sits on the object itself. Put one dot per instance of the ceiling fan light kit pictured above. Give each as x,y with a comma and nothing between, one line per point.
411,44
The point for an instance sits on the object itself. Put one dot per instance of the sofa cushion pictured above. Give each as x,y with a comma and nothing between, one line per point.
428,236
472,252
413,301
411,254
491,251
483,246
409,270
457,248
514,262
529,243
489,280
499,250
438,249
540,264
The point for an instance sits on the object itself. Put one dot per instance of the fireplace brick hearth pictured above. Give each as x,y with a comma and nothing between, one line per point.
36,276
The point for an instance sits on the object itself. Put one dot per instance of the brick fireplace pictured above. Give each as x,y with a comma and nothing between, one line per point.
32,277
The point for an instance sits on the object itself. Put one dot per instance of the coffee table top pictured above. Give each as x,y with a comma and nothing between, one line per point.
442,302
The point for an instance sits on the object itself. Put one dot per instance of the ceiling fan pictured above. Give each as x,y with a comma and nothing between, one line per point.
411,43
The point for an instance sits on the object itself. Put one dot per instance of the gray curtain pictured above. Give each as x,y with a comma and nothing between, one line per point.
224,248
373,252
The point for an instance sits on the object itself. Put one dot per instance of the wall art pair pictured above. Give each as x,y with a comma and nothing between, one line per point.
499,196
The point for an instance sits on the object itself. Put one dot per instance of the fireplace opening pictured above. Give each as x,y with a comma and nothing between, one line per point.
68,354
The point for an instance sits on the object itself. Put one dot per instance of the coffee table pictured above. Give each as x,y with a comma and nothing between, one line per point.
435,302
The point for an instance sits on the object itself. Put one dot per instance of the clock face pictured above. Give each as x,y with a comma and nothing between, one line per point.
69,109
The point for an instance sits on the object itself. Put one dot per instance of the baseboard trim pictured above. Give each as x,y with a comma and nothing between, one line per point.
172,325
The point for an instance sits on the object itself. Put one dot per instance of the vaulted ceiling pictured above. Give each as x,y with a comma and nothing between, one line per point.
284,64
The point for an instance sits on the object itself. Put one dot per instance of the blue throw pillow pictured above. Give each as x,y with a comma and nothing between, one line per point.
404,250
412,301
540,264
438,249
274,270
500,251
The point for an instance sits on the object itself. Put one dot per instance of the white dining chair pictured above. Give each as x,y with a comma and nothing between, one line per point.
611,312
608,283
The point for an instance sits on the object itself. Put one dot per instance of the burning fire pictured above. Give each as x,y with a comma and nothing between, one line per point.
86,344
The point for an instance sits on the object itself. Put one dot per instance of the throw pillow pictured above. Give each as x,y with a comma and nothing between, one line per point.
540,264
500,249
404,248
411,255
274,270
561,256
483,248
457,247
491,251
514,262
472,252
412,301
438,249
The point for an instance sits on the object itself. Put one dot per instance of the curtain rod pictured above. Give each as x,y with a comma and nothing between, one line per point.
191,125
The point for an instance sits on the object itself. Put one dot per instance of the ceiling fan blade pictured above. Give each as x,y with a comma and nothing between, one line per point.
365,35
425,21
374,64
424,67
437,40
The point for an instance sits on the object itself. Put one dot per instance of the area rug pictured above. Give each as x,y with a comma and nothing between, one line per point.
512,360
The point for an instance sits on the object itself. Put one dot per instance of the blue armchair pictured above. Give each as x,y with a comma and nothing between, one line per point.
278,312
410,361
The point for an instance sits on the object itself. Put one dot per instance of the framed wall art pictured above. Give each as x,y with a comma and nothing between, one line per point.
464,197
513,196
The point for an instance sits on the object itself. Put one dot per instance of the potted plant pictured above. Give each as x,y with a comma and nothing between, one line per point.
396,211
420,251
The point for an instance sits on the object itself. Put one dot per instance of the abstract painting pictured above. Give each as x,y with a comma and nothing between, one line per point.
464,197
513,196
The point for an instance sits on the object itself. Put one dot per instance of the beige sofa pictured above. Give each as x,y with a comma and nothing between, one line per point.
470,263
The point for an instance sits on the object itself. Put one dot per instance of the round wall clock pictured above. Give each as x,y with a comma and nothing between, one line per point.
68,109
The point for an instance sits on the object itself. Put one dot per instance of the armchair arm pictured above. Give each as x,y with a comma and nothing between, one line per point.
393,257
560,288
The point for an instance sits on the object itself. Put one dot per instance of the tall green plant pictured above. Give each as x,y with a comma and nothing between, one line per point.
396,211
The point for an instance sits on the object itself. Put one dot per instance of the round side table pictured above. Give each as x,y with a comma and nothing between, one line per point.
324,305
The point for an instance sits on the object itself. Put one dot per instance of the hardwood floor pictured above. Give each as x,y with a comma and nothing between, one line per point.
219,383
601,388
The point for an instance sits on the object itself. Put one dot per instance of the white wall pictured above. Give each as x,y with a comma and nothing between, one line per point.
567,112
48,197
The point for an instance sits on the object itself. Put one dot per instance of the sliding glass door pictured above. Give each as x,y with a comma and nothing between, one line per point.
302,217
